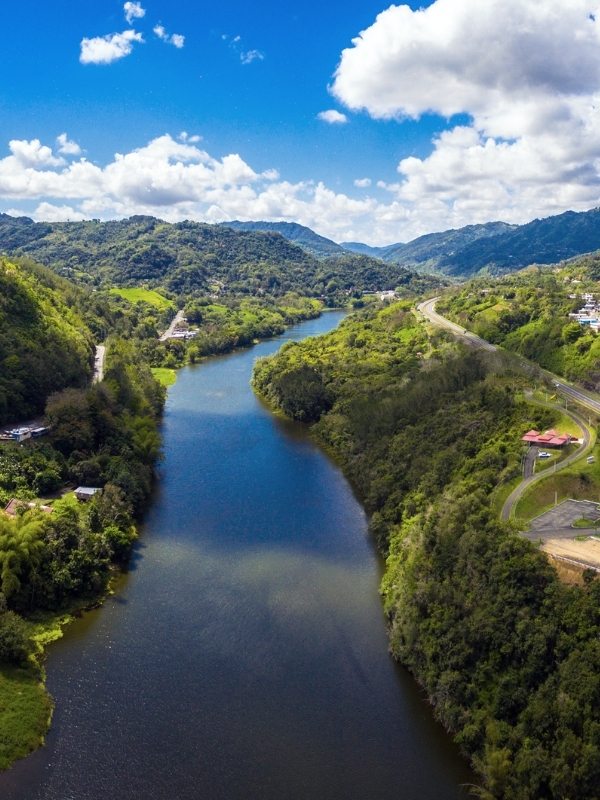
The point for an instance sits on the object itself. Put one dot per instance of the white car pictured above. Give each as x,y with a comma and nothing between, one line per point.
543,454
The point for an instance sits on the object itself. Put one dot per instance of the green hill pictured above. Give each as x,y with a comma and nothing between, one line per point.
190,257
304,237
44,345
543,241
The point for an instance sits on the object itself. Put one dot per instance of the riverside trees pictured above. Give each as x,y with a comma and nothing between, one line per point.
509,657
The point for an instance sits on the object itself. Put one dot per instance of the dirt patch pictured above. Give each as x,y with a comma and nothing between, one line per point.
585,553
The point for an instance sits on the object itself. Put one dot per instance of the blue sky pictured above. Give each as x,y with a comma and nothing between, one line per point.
405,85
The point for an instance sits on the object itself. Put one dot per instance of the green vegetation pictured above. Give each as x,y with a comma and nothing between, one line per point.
165,376
508,655
193,258
528,313
307,239
586,523
43,343
104,436
149,296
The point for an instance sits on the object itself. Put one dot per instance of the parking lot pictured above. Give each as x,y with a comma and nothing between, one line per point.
564,515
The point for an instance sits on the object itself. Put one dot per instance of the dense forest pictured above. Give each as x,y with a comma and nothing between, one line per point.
528,313
509,656
105,436
191,257
44,345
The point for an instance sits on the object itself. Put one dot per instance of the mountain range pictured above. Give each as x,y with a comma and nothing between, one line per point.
494,246
283,256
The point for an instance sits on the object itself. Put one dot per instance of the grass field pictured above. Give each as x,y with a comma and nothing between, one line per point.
25,705
165,376
149,296
25,709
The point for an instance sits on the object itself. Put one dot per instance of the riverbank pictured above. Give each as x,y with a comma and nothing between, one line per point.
25,704
247,644
475,612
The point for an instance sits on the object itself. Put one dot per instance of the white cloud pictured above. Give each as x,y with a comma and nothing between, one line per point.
175,179
249,56
109,48
176,39
33,154
52,213
362,183
66,146
333,117
133,11
527,76
184,136
502,61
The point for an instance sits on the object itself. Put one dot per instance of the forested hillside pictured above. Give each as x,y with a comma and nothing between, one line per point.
495,247
44,344
192,257
509,657
528,313
306,238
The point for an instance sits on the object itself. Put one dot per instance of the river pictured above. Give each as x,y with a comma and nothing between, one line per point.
244,656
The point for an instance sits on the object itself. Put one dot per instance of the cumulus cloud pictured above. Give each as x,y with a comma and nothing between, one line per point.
109,48
175,178
176,39
526,75
66,146
248,56
52,213
333,117
362,183
133,11
32,154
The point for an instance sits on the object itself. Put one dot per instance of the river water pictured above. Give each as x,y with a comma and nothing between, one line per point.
244,656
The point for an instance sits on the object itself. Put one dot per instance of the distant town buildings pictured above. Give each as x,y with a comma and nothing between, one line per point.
589,313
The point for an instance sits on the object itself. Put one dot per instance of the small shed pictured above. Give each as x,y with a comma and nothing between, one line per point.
86,493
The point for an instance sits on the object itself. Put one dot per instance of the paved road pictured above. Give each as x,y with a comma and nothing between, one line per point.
585,399
174,323
529,461
427,309
99,364
513,498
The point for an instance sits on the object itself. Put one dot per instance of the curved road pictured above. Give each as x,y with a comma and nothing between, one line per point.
513,498
427,309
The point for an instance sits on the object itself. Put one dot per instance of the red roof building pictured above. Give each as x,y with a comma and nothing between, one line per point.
550,438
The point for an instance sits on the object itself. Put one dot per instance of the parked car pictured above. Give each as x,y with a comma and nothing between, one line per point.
543,454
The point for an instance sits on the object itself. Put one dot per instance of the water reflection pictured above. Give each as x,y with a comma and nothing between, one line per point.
245,655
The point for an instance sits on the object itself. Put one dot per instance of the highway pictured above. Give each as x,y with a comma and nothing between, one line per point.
427,309
562,543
